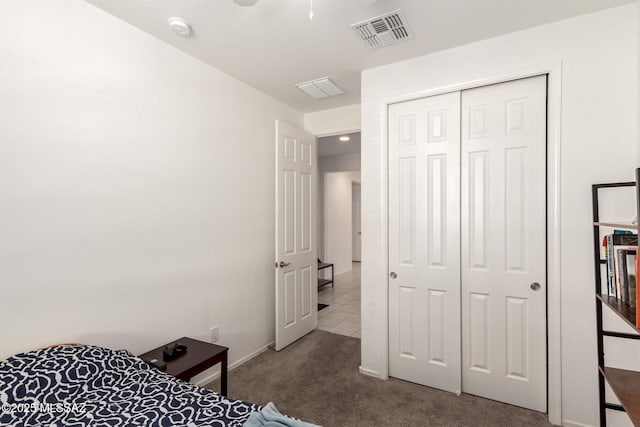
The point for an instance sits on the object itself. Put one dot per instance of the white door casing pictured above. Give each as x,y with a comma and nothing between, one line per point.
295,240
356,229
503,232
424,241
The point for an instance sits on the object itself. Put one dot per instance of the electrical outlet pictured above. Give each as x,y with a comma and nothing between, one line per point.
215,334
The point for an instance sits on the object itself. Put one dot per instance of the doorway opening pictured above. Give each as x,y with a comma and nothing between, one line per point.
339,189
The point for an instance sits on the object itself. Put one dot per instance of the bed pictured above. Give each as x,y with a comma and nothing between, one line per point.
76,385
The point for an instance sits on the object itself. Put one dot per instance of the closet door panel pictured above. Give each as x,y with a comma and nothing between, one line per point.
503,231
424,241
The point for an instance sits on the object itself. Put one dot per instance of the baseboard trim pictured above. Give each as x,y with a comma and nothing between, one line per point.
569,423
216,375
369,372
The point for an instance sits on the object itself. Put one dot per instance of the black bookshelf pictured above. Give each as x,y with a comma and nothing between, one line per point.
624,383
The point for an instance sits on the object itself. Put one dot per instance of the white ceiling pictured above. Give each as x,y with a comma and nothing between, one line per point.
273,45
332,146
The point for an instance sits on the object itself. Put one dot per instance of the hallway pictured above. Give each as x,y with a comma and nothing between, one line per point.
343,314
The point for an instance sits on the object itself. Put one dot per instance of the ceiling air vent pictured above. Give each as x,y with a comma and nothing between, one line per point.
320,88
383,30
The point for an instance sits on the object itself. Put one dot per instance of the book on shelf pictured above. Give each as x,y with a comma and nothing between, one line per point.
620,250
632,275
636,271
607,242
625,272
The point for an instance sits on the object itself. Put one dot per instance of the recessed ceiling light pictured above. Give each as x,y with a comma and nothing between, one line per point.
344,139
245,3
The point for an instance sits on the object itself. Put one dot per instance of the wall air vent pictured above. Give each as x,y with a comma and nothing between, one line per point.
383,30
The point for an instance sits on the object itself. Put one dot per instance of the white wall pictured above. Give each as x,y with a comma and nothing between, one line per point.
136,202
338,219
598,144
342,163
333,121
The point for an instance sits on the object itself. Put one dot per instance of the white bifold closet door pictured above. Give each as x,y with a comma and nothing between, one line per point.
467,257
504,323
424,241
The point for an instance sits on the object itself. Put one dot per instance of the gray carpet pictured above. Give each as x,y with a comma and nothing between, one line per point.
316,379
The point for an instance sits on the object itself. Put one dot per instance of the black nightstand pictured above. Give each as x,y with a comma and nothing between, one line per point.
200,356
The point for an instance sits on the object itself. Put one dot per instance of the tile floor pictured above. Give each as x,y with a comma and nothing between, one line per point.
343,314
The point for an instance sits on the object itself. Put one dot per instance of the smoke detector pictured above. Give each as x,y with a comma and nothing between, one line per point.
179,25
383,30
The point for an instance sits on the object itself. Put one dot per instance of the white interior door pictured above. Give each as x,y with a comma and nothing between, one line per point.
296,262
356,238
424,241
504,242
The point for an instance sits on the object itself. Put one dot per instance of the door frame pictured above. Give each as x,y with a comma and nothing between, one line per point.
554,114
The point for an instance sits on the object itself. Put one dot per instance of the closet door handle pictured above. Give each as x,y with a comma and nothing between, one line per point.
393,275
283,264
535,286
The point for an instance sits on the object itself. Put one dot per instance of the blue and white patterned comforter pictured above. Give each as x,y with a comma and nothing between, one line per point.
93,386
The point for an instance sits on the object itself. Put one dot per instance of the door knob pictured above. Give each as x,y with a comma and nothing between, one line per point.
535,286
393,275
283,264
